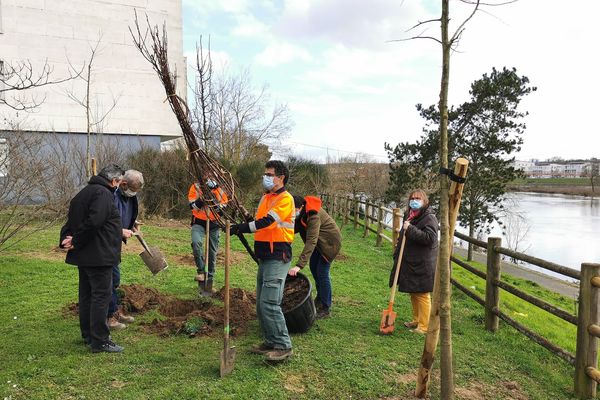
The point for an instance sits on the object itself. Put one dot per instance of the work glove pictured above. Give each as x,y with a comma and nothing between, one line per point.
236,229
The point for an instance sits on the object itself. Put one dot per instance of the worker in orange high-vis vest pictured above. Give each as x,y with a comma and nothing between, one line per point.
200,213
273,229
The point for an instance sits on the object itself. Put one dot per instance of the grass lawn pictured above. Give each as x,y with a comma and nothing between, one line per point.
343,357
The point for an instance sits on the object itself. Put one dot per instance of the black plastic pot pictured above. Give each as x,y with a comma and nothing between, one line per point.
300,318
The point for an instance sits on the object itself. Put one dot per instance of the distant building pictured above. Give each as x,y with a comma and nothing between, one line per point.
60,32
554,169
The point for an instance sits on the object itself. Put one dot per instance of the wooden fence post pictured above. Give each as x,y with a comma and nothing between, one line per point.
492,292
334,206
356,210
346,209
586,356
396,226
379,225
367,220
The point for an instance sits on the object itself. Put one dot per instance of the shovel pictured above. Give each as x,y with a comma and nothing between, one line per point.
228,353
152,256
386,327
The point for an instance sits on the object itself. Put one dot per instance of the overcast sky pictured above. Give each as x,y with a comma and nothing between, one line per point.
350,90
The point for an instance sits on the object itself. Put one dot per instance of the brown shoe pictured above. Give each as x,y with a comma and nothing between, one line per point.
411,325
200,277
278,355
262,348
126,319
419,331
114,324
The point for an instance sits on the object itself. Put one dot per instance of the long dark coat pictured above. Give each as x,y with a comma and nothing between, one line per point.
95,224
420,254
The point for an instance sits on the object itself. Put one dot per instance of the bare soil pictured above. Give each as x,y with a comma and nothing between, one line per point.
196,317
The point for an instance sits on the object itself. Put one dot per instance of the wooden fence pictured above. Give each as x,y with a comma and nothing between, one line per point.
372,217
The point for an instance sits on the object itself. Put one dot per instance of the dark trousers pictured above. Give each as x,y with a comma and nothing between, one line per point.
319,267
95,284
116,281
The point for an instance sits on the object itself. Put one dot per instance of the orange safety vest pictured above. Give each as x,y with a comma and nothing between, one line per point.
195,192
281,207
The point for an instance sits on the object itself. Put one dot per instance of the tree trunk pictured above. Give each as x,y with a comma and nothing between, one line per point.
447,374
88,156
471,233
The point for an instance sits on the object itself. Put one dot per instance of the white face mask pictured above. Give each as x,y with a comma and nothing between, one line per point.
129,193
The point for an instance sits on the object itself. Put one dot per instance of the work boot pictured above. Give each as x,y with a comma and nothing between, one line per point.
200,277
262,348
411,324
108,347
323,313
126,319
114,324
278,355
419,331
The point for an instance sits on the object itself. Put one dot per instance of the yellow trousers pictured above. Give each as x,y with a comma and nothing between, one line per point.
421,306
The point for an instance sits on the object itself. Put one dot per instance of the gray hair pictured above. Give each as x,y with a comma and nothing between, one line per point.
134,176
111,171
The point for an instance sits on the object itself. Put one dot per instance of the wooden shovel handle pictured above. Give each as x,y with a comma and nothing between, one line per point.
226,294
398,265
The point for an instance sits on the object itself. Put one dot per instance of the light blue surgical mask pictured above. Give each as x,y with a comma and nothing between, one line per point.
211,184
268,183
415,204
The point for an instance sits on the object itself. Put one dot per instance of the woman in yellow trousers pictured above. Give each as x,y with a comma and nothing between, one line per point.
418,261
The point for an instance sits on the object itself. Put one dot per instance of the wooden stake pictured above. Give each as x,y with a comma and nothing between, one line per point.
433,332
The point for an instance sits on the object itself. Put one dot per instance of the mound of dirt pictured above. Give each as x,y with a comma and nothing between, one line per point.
196,317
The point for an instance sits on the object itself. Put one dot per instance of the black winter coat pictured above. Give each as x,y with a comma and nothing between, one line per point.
95,224
420,254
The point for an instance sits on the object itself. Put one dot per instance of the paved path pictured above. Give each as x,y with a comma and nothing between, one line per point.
565,288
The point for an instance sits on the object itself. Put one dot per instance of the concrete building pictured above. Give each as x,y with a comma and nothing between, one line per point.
554,169
61,33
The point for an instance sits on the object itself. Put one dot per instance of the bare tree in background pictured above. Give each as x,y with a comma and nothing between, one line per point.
17,80
232,117
95,113
203,114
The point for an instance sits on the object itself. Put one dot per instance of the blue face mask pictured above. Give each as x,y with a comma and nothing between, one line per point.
268,183
415,204
211,184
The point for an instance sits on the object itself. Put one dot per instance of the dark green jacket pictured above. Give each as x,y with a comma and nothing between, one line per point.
318,230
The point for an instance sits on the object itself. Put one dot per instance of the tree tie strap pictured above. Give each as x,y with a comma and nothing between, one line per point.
452,175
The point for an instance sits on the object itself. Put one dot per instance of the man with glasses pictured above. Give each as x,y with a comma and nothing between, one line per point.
273,230
125,198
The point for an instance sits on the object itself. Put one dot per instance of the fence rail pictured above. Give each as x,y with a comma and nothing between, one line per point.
367,215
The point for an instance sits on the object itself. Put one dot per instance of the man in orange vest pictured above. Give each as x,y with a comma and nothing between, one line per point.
273,229
200,214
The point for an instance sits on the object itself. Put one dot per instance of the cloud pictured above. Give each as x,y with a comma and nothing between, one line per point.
281,53
354,23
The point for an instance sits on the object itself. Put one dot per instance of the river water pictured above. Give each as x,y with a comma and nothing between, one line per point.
561,228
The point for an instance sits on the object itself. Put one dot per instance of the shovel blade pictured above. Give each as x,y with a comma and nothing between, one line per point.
386,327
227,360
155,261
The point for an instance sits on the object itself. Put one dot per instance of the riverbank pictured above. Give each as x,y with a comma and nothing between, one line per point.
566,288
556,189
568,186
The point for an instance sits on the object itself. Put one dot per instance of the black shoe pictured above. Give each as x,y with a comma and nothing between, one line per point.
87,341
108,347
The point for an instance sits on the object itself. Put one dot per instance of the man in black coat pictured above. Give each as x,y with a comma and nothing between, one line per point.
92,238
